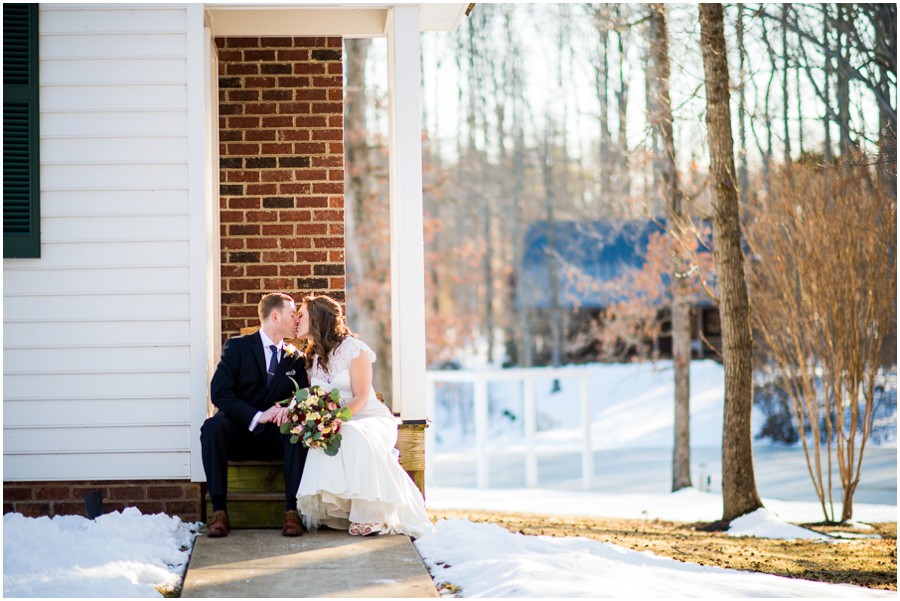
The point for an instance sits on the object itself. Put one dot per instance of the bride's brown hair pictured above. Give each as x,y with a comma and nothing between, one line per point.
327,328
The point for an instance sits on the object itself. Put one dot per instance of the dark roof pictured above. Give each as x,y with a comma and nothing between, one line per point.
587,254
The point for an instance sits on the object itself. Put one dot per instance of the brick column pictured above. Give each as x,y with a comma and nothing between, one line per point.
281,172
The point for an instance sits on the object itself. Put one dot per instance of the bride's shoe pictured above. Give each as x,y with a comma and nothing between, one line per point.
364,528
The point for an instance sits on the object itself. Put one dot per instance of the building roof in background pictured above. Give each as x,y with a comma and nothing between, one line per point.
587,254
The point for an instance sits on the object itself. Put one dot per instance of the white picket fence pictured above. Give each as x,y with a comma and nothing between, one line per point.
528,376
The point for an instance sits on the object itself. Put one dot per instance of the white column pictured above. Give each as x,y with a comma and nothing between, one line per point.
198,189
407,243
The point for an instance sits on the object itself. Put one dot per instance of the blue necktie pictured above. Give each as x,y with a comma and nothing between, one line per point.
272,364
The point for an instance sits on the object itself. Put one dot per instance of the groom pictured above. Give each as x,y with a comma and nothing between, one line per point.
253,374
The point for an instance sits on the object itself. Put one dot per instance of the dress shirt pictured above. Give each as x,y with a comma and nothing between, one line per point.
267,353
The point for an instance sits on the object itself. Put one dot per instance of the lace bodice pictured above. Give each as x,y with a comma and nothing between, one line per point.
340,359
338,376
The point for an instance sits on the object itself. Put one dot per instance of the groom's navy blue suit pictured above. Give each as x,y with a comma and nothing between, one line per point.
238,390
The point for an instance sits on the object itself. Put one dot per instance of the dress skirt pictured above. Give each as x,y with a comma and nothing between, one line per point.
364,482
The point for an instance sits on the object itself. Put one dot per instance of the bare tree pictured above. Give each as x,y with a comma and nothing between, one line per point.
826,88
742,105
739,493
368,246
859,43
524,339
786,71
661,121
602,23
621,29
843,79
824,290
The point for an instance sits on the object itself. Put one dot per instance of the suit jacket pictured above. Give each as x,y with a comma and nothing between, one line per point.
238,386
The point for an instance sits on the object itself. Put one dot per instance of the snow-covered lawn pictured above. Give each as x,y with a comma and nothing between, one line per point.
688,505
486,560
132,555
120,554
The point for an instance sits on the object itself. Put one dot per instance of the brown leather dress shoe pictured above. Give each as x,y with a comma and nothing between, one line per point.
292,525
218,525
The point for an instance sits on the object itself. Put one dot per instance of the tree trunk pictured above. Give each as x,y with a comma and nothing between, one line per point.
742,108
524,340
365,257
552,261
606,167
475,169
786,97
887,148
768,154
739,493
661,121
843,83
826,89
887,121
800,146
548,168
488,268
622,100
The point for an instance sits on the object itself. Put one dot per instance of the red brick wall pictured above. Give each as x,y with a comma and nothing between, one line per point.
172,497
281,171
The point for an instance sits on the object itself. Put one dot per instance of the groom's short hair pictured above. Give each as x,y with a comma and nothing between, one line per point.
273,301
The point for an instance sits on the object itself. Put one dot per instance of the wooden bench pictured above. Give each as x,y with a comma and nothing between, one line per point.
256,488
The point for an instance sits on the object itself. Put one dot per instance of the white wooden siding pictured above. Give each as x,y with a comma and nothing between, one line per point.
98,339
107,412
104,466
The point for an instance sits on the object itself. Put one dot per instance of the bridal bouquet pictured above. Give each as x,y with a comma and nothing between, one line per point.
315,417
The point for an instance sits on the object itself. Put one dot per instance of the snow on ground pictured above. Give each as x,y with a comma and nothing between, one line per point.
132,555
120,554
763,523
486,560
631,407
687,505
625,401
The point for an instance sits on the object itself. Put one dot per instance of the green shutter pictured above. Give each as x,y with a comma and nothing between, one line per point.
21,139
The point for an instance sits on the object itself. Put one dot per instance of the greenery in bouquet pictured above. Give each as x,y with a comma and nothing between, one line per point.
315,417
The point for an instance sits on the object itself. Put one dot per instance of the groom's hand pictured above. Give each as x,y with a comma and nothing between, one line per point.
270,415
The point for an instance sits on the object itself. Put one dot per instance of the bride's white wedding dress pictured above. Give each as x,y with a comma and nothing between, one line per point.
364,482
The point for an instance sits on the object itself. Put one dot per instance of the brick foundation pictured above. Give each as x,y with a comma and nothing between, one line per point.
172,497
281,171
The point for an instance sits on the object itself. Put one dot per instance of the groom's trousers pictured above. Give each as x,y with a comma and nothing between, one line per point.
223,439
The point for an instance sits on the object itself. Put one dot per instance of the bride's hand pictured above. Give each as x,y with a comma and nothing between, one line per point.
269,415
275,415
281,416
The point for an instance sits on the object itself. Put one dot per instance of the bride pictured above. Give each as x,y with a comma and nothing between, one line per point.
363,488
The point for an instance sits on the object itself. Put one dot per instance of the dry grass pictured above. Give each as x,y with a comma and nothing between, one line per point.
865,562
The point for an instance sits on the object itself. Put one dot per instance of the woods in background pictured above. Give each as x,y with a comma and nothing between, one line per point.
562,124
573,207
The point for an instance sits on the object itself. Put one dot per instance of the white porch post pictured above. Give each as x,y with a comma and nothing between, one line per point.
202,237
407,243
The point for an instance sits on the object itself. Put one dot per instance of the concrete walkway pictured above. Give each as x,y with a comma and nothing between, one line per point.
328,563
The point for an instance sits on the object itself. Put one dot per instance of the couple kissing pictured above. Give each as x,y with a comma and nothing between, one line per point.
361,489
